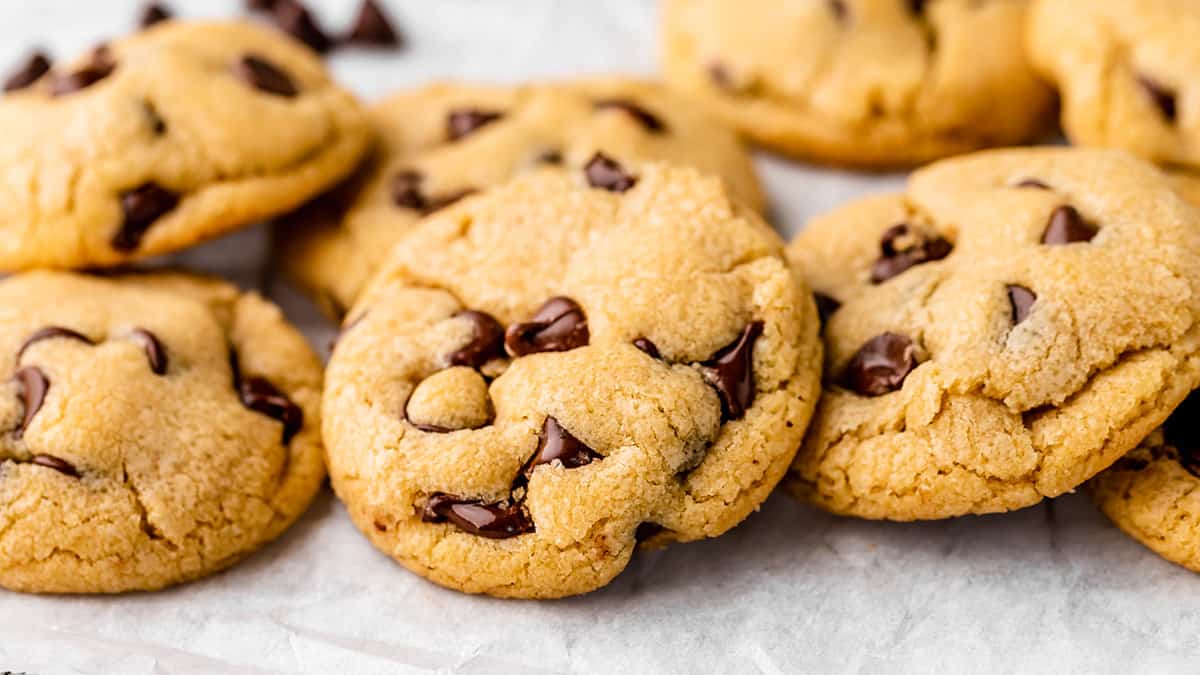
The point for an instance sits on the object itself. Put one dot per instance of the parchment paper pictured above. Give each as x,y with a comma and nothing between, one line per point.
1052,588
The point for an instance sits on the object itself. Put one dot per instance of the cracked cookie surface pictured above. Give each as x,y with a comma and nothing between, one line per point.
552,372
1001,332
156,428
173,135
1129,75
1153,493
446,140
872,83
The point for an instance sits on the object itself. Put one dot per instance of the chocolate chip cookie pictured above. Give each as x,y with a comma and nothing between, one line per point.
445,141
1004,330
871,83
1151,493
546,375
156,428
176,134
1128,72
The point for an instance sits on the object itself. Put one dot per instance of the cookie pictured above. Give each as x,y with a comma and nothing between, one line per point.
447,140
869,83
1151,493
1001,332
156,429
550,373
1187,185
1128,72
155,142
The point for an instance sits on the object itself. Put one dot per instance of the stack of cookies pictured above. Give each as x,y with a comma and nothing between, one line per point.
568,332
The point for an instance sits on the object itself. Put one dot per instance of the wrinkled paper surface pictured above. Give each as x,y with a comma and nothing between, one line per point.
1053,587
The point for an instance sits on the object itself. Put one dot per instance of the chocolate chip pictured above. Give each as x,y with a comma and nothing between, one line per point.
100,66
157,124
1033,183
721,77
647,346
37,65
731,372
51,333
1162,97
644,117
152,14
373,28
379,527
406,190
156,354
826,306
495,521
880,365
427,428
442,201
464,121
294,19
1066,226
902,248
550,157
840,11
556,443
52,462
1020,300
917,7
260,74
560,325
259,395
604,173
647,530
143,206
33,385
487,341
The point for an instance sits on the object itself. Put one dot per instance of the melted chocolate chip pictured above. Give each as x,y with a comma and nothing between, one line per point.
100,66
32,70
1066,226
51,333
1020,300
152,14
647,346
465,121
731,372
259,395
902,248
1162,97
373,28
263,76
644,117
1033,183
826,306
32,386
487,341
142,206
294,19
880,365
560,325
406,190
156,354
495,521
556,443
604,173
427,428
1182,431
52,462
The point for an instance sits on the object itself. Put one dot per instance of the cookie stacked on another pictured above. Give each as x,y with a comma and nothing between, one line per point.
550,374
444,141
1007,328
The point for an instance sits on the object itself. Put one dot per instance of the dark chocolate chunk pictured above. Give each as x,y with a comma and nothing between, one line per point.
731,372
142,206
373,28
1020,301
647,346
487,341
826,306
262,75
32,386
259,395
556,443
495,521
605,173
156,354
902,248
32,70
153,13
52,462
294,19
560,325
1066,226
645,118
465,121
1162,97
51,333
550,157
99,66
406,190
880,365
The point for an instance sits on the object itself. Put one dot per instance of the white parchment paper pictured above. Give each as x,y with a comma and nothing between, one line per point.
1053,588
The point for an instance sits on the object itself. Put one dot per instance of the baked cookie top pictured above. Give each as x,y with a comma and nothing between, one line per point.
156,428
859,82
1128,72
550,372
446,140
173,135
1008,327
1152,493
